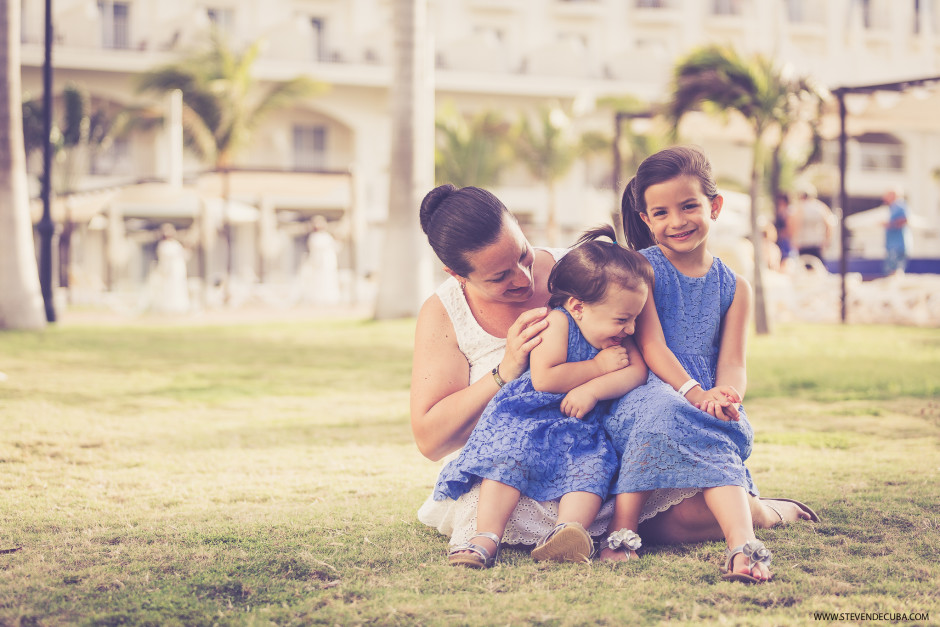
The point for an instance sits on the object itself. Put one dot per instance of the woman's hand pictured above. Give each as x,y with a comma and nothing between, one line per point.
521,338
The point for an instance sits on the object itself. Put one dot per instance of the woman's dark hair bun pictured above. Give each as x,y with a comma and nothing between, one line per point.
432,201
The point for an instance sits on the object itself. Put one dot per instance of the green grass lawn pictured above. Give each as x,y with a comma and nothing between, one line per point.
265,474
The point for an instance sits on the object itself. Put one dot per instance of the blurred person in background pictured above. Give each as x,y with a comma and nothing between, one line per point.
811,224
782,218
897,233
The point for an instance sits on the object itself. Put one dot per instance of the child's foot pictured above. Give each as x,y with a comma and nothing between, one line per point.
567,542
480,552
748,563
741,565
780,512
617,555
621,546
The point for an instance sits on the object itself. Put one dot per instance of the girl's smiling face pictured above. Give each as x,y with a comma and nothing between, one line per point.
679,213
607,322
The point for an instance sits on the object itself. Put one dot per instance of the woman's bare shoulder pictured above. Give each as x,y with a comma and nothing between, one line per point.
434,323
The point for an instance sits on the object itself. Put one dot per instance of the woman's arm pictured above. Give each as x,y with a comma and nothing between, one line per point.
582,399
551,370
444,407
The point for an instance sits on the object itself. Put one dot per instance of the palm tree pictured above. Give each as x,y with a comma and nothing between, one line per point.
405,279
85,129
544,144
21,304
222,104
470,150
721,80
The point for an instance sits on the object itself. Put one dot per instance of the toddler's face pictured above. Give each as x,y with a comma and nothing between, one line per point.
607,322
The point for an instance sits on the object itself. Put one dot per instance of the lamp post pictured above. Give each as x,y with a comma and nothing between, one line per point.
46,225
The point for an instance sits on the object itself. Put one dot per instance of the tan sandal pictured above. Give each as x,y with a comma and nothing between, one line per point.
567,542
473,555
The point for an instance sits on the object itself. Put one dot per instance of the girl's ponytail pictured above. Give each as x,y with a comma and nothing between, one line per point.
604,230
589,268
638,234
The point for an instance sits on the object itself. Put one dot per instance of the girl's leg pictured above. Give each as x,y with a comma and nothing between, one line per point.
570,541
731,509
497,502
627,508
692,521
579,507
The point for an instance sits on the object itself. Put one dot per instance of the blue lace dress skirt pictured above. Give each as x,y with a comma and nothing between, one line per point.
524,440
664,441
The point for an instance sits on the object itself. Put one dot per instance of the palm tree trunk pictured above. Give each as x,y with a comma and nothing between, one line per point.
760,308
406,264
227,234
21,304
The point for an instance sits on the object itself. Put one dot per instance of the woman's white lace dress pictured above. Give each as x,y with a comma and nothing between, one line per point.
531,520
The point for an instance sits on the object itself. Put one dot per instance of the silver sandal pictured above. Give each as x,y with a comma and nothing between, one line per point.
478,557
625,539
756,552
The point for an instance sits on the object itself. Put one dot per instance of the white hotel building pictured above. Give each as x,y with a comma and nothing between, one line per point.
329,154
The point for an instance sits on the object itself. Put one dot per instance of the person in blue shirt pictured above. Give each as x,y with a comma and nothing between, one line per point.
897,233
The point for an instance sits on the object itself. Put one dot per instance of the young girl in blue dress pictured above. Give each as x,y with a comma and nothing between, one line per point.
542,435
686,427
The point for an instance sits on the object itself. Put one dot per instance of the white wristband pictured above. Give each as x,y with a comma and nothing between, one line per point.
687,387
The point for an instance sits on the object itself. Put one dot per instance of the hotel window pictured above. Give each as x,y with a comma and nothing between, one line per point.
310,147
223,19
114,24
805,12
875,14
880,151
726,7
116,159
318,31
926,17
490,34
796,11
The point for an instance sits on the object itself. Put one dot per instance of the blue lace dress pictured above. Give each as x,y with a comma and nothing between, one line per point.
663,440
524,440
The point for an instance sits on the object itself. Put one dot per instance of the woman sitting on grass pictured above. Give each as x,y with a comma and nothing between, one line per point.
542,435
476,331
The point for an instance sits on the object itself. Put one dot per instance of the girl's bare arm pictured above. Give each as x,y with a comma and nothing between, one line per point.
551,370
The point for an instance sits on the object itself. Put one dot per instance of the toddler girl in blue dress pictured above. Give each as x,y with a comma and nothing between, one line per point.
685,428
542,435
